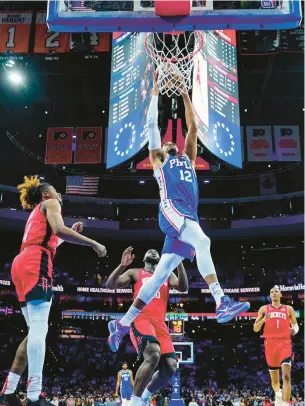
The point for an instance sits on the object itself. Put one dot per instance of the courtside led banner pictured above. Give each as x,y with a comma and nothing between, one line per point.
59,145
88,145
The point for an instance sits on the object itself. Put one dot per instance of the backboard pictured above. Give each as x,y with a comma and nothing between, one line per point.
184,351
140,16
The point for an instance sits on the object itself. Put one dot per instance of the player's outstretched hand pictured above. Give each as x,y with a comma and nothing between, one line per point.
100,249
127,257
78,227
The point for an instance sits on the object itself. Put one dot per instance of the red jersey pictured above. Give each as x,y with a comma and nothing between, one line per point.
278,326
39,232
157,307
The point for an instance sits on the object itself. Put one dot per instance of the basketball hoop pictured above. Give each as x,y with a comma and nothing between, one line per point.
173,54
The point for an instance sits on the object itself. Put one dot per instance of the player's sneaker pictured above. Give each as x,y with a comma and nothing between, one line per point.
40,402
11,399
278,400
228,309
117,332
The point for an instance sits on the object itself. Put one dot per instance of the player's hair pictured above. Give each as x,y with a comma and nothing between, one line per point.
31,191
123,363
276,287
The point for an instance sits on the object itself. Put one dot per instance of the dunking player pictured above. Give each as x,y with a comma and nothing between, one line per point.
148,332
178,219
280,324
32,277
125,383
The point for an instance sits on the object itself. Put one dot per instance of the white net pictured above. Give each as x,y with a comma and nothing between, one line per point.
173,55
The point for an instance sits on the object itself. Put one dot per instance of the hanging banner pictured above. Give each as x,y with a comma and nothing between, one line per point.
15,32
259,144
59,145
267,183
47,41
88,145
287,143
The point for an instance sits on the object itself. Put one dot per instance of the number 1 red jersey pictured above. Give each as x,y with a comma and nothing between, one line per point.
156,309
38,232
278,326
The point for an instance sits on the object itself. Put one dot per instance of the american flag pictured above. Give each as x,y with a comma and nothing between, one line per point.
82,185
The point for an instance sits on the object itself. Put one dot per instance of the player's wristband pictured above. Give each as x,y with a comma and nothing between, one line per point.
295,327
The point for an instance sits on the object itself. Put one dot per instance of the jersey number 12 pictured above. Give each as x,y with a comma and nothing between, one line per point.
186,176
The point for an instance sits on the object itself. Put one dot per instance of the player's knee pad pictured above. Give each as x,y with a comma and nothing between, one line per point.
170,367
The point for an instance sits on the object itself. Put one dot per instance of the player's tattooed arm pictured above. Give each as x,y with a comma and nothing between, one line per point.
52,210
190,147
180,283
119,280
78,227
260,320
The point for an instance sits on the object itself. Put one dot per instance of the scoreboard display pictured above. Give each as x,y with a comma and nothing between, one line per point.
130,88
176,327
215,96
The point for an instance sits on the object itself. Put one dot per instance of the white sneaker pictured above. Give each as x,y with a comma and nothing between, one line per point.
278,400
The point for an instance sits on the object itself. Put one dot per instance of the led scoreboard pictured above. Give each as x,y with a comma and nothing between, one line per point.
176,327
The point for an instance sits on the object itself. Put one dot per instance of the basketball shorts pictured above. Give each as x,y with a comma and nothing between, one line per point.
172,216
32,274
126,392
277,352
145,329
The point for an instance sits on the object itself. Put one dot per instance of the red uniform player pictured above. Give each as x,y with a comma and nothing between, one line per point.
279,325
32,277
149,333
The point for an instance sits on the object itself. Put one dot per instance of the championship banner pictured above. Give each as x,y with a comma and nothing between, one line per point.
287,143
88,145
15,32
46,40
259,143
267,183
59,145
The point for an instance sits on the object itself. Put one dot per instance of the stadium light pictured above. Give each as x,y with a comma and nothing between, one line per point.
15,78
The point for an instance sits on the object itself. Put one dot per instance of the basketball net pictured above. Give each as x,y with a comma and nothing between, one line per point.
174,59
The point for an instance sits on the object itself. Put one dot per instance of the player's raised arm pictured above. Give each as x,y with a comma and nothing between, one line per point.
52,209
180,283
260,320
293,321
154,137
190,148
116,280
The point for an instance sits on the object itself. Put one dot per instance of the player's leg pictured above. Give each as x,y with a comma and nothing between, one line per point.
168,263
20,361
193,234
151,358
168,363
286,377
143,338
275,383
37,286
166,370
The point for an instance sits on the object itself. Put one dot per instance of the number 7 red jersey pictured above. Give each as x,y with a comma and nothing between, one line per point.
278,325
39,232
